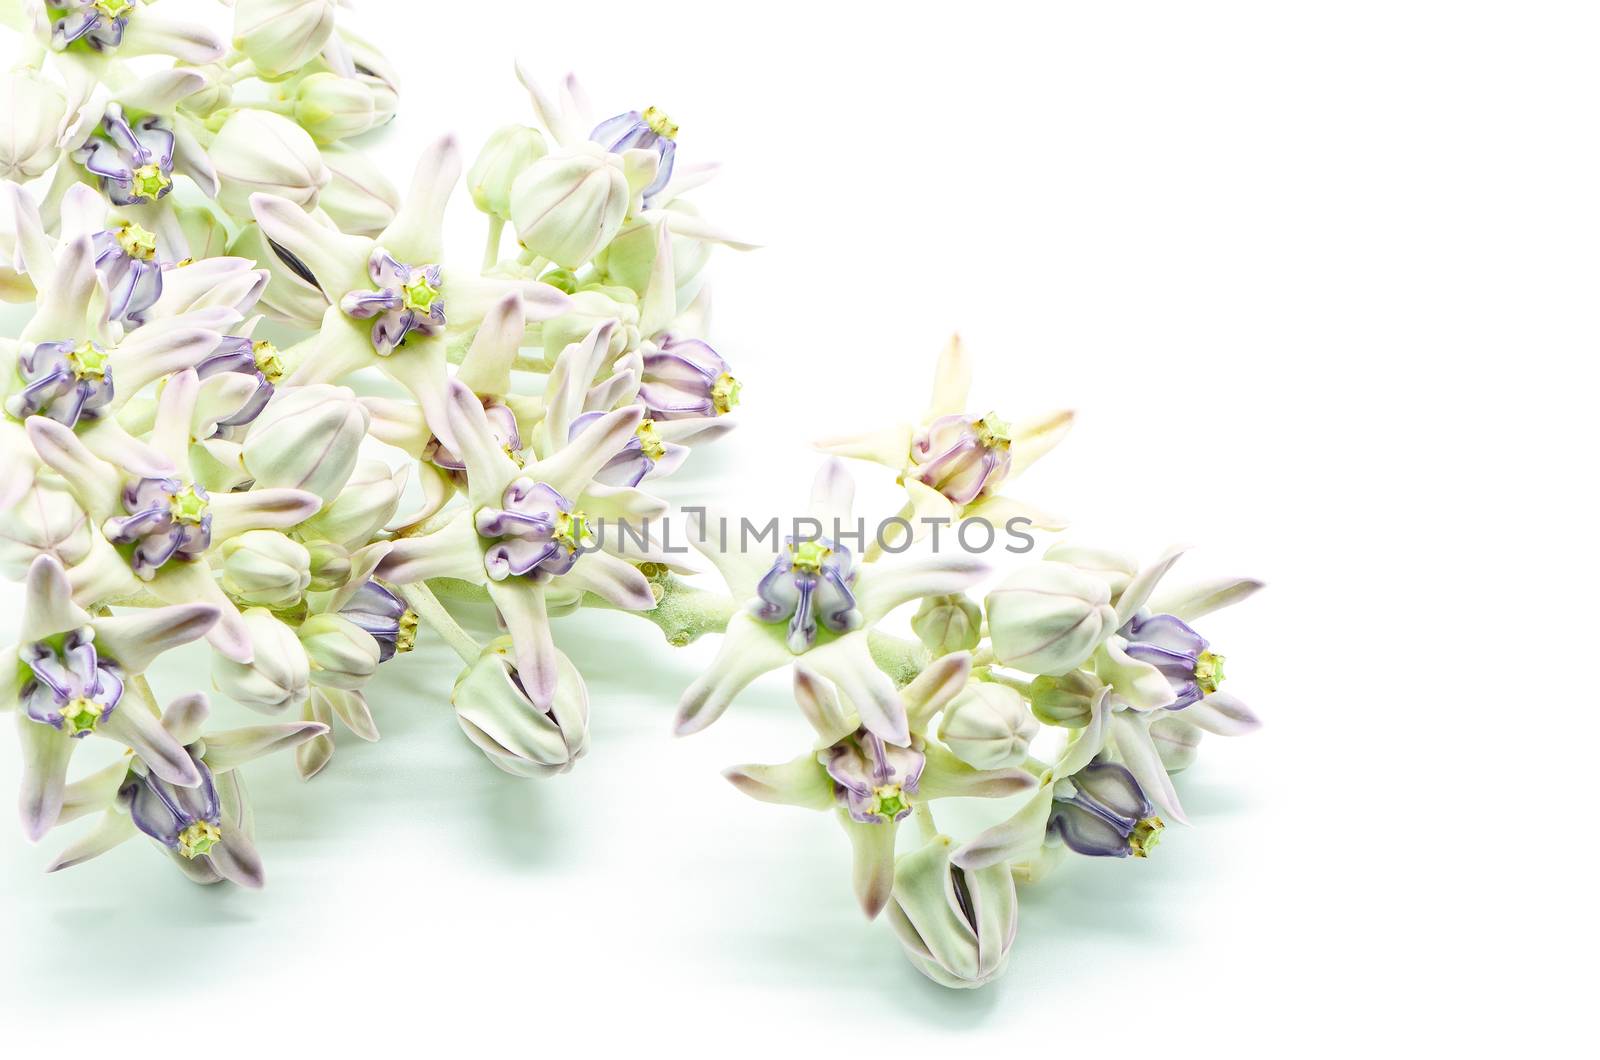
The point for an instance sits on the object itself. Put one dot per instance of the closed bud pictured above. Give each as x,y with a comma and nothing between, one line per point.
265,568
510,150
281,36
1066,700
567,207
278,677
368,501
988,726
629,258
217,94
330,565
497,715
1047,618
947,624
956,925
308,437
44,521
330,107
341,653
360,197
30,123
258,151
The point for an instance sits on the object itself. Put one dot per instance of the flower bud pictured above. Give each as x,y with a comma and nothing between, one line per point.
265,568
331,108
368,501
258,151
342,654
567,207
947,624
1047,618
956,925
988,726
330,565
360,197
277,679
629,258
30,122
497,715
511,149
217,93
1067,700
281,36
308,437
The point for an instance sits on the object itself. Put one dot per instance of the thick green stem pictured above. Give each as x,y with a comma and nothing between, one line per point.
683,612
420,599
491,244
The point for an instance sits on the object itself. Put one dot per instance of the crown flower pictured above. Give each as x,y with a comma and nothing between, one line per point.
263,406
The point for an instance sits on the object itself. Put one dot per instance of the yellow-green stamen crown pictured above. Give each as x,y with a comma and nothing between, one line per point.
198,839
136,242
188,506
659,123
88,361
725,393
1208,671
418,294
993,432
1145,835
149,182
810,555
268,362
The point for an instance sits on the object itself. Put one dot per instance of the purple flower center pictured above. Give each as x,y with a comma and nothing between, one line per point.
810,582
538,534
65,381
961,458
67,684
245,357
1107,815
131,159
99,24
125,258
405,299
187,821
873,780
1170,645
167,519
651,130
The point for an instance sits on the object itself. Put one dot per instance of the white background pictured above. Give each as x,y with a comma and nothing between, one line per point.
1320,280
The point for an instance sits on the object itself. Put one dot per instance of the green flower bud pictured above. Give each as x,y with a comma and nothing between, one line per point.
265,568
341,653
281,36
947,624
1047,618
258,151
988,726
308,437
510,150
1065,700
567,207
586,309
277,679
330,565
332,108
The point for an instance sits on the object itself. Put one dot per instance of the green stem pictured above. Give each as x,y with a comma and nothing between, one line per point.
683,612
420,599
925,822
491,245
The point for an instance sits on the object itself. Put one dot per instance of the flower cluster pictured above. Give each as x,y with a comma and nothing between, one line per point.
258,403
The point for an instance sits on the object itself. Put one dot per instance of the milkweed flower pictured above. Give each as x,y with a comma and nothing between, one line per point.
810,602
206,827
74,674
870,785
